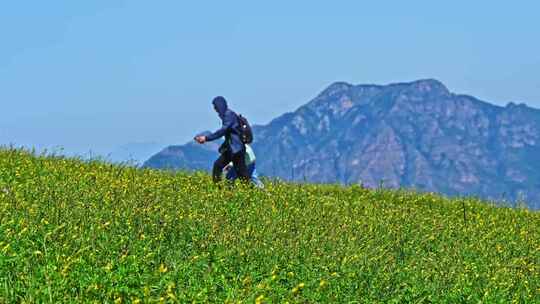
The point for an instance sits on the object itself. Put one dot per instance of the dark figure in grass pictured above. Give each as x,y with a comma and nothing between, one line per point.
233,149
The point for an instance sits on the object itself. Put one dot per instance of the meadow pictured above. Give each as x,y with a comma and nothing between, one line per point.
89,231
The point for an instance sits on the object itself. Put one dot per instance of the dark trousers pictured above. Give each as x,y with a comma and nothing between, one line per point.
239,163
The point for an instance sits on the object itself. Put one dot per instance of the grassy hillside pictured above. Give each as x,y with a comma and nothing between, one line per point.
90,231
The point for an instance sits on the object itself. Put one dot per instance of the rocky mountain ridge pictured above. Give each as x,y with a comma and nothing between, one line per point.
413,135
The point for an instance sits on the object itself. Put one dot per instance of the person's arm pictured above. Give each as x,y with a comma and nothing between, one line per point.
228,122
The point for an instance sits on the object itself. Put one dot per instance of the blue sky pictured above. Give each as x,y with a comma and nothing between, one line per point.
95,75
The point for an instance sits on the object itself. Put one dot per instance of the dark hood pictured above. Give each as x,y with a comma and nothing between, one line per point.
220,104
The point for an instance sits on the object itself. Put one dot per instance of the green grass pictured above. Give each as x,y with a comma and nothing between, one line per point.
74,231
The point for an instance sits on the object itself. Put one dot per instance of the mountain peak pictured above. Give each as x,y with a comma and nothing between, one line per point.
429,85
336,87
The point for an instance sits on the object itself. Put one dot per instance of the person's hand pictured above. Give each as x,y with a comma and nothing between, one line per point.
201,139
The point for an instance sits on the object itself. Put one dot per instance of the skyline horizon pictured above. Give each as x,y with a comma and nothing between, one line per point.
95,74
112,152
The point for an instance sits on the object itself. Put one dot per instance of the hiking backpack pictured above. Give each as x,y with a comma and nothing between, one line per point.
246,134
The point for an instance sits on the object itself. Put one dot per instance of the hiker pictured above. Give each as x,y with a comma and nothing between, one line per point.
233,149
230,171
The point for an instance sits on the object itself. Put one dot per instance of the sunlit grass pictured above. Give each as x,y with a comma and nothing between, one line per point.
88,231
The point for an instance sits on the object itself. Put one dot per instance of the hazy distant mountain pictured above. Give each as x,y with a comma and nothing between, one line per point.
414,135
191,156
135,153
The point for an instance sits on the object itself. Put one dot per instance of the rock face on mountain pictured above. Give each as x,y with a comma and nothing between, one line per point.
411,135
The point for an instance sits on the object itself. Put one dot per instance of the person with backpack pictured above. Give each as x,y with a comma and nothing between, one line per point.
233,148
230,171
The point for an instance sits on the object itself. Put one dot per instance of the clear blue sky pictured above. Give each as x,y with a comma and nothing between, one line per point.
99,74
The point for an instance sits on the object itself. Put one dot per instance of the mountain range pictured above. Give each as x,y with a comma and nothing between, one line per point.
415,135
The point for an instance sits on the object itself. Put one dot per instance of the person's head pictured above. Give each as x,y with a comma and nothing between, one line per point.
220,105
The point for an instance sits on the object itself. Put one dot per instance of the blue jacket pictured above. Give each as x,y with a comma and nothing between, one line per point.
230,127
